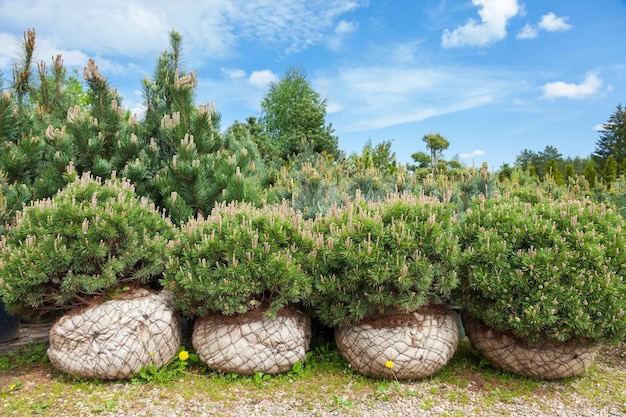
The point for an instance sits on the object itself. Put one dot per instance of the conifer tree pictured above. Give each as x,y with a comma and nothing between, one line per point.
609,173
198,165
294,116
99,138
591,175
570,173
612,139
552,171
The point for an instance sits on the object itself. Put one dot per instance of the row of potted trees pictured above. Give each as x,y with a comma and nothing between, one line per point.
528,271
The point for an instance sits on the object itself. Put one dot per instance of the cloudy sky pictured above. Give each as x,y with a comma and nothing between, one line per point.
493,76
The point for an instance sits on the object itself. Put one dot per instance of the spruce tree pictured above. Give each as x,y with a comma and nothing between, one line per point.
612,139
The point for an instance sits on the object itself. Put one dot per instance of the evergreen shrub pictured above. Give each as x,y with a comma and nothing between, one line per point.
240,258
544,269
89,240
385,257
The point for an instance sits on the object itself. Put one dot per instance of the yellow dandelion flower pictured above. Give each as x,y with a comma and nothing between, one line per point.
183,355
389,364
12,387
151,353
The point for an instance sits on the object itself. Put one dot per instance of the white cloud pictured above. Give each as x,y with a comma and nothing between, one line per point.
599,128
8,49
528,32
262,78
139,29
549,22
494,16
363,98
552,23
588,88
345,27
473,154
233,73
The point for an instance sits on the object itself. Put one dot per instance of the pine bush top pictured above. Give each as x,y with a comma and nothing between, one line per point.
89,239
239,258
545,269
376,258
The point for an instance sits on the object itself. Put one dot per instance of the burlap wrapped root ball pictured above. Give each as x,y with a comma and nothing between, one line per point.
403,346
116,339
545,360
249,343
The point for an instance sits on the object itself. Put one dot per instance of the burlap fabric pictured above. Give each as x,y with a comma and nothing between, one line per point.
250,343
545,360
404,346
115,339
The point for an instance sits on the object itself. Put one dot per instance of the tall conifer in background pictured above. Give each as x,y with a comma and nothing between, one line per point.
199,166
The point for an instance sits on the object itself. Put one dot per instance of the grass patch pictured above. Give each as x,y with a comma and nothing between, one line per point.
30,386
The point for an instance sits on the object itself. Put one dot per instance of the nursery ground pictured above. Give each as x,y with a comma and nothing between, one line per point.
325,386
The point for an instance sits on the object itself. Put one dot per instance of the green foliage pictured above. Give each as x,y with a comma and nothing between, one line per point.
240,258
310,183
31,353
375,258
544,269
9,124
12,198
422,159
197,165
292,110
90,237
157,93
206,168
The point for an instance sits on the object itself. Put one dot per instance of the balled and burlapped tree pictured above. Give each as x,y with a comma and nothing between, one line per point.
612,139
294,116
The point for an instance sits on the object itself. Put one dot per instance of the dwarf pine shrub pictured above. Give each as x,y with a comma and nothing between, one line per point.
91,238
541,268
377,258
239,258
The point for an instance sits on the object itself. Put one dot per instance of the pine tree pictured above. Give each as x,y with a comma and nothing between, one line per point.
294,116
157,93
198,165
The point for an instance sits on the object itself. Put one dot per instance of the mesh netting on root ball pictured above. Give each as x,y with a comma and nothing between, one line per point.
249,343
117,338
546,359
404,346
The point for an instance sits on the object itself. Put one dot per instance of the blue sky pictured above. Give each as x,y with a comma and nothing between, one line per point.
492,76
